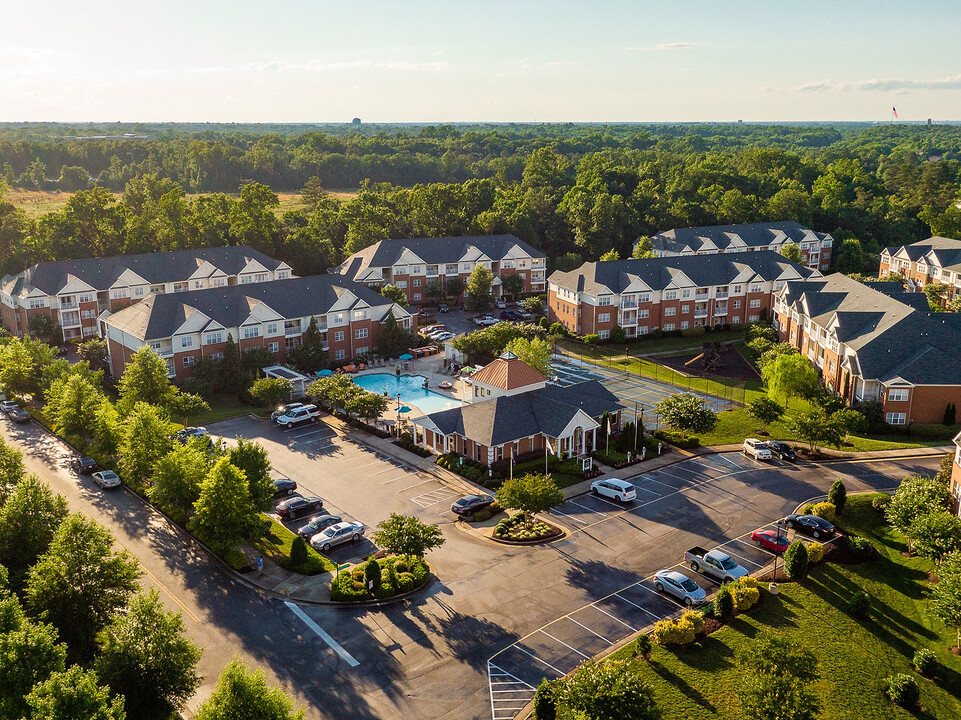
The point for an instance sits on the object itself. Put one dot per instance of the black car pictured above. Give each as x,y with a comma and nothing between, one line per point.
316,524
813,525
443,307
21,416
782,450
84,465
470,504
283,487
299,507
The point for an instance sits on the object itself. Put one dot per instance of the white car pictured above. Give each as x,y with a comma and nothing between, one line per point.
680,586
614,488
444,337
298,416
501,305
434,333
757,449
8,406
284,410
106,479
485,320
336,534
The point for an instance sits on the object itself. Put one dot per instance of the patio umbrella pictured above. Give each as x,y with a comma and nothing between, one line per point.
403,409
467,369
406,356
325,373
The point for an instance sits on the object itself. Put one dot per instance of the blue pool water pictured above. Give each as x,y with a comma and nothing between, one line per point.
411,389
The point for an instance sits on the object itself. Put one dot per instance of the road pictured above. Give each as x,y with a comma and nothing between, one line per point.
492,623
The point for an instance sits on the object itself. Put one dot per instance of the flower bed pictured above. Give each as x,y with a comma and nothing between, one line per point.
396,578
512,529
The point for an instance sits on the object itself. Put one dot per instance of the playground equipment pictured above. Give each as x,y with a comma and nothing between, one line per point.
709,359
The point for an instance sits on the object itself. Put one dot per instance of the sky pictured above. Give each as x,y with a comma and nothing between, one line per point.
496,61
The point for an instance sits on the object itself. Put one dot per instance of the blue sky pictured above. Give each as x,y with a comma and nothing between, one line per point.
606,60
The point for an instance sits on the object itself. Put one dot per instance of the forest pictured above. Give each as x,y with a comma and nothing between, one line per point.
574,191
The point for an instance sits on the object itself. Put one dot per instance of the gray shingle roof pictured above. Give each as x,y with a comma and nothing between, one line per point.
703,270
547,410
753,235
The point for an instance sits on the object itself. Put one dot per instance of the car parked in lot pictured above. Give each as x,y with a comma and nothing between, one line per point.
337,534
84,465
469,504
106,479
715,564
680,586
484,320
285,410
316,524
614,488
297,507
443,308
433,328
283,487
299,416
770,540
184,435
21,416
813,525
501,305
443,337
756,449
8,406
782,450
524,315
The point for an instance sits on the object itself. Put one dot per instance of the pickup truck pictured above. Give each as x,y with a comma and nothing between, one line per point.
715,564
484,320
297,416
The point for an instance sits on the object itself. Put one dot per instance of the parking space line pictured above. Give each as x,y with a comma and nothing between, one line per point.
656,494
555,511
615,619
619,506
590,631
586,507
642,609
376,462
662,471
422,482
322,634
729,462
586,657
742,558
650,479
314,432
320,440
381,472
399,477
655,593
542,662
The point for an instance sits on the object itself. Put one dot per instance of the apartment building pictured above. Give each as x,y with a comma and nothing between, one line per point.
875,343
75,293
935,260
411,264
747,237
669,293
184,327
956,476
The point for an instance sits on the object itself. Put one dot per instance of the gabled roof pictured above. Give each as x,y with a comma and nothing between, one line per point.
615,276
548,410
722,237
508,372
159,316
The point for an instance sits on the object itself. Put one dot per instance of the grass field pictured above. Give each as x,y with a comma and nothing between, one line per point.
276,545
223,407
700,681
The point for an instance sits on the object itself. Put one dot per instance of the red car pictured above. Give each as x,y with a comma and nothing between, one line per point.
769,540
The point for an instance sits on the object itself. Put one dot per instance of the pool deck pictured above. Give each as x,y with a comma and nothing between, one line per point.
430,367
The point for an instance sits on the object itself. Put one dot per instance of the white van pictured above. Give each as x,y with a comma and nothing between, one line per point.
757,449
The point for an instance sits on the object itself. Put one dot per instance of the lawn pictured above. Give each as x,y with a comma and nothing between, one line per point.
223,407
276,545
701,680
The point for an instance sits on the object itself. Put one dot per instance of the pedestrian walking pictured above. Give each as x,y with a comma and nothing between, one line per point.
260,565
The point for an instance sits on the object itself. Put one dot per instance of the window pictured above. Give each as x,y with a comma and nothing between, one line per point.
402,284
604,317
339,336
686,294
214,338
90,330
450,269
737,290
644,298
119,293
669,326
362,350
603,334
339,355
755,303
737,304
188,361
898,394
895,418
756,288
643,313
36,303
670,311
685,309
753,318
186,342
283,274
670,294
159,289
736,320
218,282
417,296
271,328
274,347
86,297
198,284
685,325
417,270
606,300
216,356
181,286
360,333
250,332
642,330
416,282
88,314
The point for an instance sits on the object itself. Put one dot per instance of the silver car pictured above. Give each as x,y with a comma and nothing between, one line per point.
106,479
336,534
680,586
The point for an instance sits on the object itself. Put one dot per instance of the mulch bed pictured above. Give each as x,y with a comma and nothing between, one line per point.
735,366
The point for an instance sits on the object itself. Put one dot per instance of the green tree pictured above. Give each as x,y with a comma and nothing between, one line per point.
72,405
838,495
935,534
687,413
937,293
850,256
310,354
16,368
11,471
225,514
368,406
107,428
73,695
777,673
45,329
643,249
796,560
850,421
394,340
232,376
146,657
774,351
816,428
394,294
93,352
79,583
408,536
792,252
28,522
145,440
609,690
915,497
252,219
945,602
176,479
610,256
269,391
242,694
454,287
435,290
788,376
512,284
534,305
145,380
531,493
479,286
29,654
252,460
186,405
535,351
313,193
765,410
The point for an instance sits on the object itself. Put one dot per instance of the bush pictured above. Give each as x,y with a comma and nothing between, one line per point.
480,516
838,495
642,646
880,501
344,588
815,552
696,331
676,439
669,632
405,582
903,690
861,548
933,431
545,699
926,662
372,574
807,510
383,591
298,551
236,559
420,571
825,510
695,619
796,560
859,605
724,603
592,338
745,594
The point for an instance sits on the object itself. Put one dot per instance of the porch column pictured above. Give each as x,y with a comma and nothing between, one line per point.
583,443
594,438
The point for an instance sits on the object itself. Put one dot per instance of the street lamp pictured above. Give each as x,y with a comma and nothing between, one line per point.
773,588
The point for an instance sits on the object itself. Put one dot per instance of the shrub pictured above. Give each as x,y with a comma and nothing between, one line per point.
933,431
796,560
545,699
838,495
420,571
236,559
405,582
903,690
861,548
880,501
807,510
642,646
676,439
745,595
372,574
298,552
724,603
383,591
825,510
696,331
815,552
670,632
592,338
859,605
926,662
480,516
400,566
695,619
344,588
392,576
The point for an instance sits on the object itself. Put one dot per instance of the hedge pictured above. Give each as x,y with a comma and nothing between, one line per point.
395,578
677,439
934,431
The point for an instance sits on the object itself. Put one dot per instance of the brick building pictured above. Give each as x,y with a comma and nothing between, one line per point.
815,247
184,327
875,343
937,259
956,476
75,293
411,264
668,293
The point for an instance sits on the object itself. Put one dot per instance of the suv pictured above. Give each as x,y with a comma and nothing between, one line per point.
614,488
443,308
757,449
298,416
285,410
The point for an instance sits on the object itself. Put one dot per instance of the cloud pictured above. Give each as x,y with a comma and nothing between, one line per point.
892,85
666,46
525,65
815,86
320,66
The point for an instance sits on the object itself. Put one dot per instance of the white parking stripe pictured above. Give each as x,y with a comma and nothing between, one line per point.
741,557
590,631
642,609
586,657
650,479
322,634
729,462
542,662
422,482
381,472
314,432
655,593
586,507
555,511
615,619
676,477
399,477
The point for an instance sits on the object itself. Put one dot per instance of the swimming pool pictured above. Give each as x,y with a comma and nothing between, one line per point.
411,389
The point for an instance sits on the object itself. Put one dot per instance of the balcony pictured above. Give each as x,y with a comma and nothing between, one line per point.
164,351
69,319
721,295
70,305
700,314
628,304
626,319
720,311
